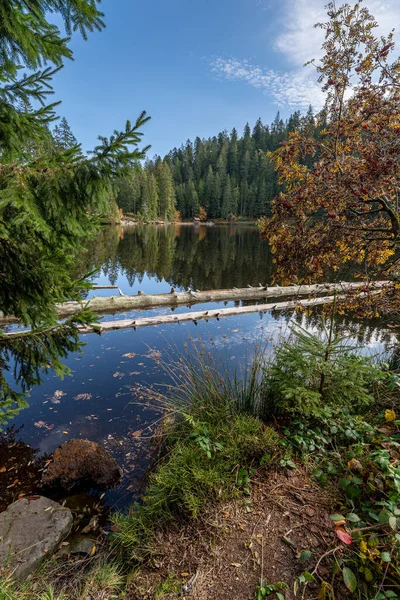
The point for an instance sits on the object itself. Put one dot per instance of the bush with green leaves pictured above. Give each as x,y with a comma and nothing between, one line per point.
311,371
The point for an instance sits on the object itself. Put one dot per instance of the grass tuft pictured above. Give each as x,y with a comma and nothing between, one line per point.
210,433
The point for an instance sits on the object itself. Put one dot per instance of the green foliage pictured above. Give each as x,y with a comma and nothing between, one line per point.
187,479
311,372
264,590
102,580
227,175
62,135
171,585
147,193
360,462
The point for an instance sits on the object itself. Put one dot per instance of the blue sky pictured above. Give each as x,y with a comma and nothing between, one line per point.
197,67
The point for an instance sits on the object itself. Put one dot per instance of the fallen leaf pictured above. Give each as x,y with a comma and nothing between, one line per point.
137,433
84,396
3,469
65,432
236,565
343,536
390,415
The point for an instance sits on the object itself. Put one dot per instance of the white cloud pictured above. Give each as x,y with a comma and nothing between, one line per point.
298,41
291,90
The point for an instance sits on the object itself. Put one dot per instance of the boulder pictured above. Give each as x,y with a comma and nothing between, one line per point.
30,530
79,463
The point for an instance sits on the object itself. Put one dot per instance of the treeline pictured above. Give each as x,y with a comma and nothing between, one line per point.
225,176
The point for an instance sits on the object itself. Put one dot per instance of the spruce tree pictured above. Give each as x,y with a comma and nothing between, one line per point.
63,137
166,192
50,200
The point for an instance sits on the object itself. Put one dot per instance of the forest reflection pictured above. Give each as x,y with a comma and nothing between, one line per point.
182,255
207,258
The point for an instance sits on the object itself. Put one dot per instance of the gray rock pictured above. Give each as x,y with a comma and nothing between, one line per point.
78,544
30,530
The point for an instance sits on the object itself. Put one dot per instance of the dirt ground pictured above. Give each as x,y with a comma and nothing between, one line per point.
223,555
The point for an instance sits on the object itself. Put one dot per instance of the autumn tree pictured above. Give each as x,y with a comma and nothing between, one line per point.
340,204
202,214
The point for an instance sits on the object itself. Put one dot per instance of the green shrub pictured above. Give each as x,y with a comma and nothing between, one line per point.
310,372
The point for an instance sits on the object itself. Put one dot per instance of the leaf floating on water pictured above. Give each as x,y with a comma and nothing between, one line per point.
135,373
129,355
84,396
138,433
65,432
55,399
43,425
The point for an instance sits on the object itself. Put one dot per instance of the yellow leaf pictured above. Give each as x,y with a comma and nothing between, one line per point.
390,415
363,546
65,432
93,551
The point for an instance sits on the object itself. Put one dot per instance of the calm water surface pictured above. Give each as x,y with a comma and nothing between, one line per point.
98,401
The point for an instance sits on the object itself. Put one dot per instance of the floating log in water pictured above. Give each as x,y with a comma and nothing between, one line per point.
205,315
114,304
143,301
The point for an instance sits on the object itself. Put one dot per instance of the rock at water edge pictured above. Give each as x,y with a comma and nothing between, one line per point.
30,530
78,463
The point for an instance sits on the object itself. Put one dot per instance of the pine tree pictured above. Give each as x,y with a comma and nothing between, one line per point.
49,200
149,194
166,192
192,200
63,137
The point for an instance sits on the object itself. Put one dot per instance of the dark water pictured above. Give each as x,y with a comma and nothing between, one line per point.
99,400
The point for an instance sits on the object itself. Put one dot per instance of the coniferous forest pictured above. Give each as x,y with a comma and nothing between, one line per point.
226,176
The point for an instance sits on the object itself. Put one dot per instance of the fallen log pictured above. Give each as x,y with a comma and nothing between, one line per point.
115,304
143,301
205,315
202,315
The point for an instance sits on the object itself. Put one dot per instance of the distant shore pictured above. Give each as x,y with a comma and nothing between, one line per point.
130,222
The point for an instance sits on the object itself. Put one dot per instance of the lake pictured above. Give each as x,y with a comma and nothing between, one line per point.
100,401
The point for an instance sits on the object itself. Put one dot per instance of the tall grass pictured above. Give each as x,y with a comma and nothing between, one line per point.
204,384
210,430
